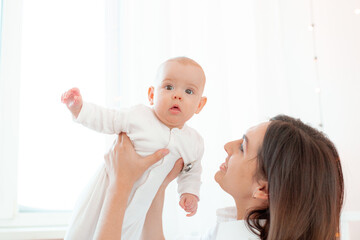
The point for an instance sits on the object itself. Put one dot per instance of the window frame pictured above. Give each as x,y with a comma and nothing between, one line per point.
34,225
9,105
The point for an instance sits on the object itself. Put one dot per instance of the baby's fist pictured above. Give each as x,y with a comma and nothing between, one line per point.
73,100
189,202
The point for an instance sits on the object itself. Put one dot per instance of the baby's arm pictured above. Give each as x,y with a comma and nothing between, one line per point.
189,188
189,182
94,117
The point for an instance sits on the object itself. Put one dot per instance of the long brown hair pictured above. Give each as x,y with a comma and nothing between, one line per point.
305,183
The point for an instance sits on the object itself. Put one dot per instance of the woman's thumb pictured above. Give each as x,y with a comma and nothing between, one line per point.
155,157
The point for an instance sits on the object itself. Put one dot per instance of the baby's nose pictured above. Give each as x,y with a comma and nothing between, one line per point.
177,96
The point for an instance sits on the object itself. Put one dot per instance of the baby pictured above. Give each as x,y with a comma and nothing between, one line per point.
176,97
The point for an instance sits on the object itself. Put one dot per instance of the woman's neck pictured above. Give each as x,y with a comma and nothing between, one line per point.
241,207
244,205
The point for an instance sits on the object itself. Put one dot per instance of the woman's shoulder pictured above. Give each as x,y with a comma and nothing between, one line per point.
228,227
226,214
232,230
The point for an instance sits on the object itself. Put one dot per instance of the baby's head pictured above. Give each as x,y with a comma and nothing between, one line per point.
177,94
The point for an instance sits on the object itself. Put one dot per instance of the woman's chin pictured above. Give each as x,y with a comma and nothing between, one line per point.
218,176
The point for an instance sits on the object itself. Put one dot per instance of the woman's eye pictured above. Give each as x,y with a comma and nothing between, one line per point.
241,147
189,91
169,87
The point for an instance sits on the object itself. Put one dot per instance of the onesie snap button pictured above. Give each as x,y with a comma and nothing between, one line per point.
174,130
188,167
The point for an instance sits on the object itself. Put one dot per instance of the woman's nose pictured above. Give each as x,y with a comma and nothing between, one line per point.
230,146
227,147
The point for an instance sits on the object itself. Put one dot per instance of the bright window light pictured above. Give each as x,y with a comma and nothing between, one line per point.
62,47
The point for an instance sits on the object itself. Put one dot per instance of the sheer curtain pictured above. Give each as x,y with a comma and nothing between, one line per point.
223,37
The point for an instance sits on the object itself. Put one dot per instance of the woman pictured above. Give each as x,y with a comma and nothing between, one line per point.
284,176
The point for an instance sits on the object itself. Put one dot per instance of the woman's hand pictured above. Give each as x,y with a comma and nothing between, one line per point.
179,165
124,165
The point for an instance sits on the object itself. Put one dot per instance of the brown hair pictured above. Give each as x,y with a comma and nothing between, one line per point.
305,183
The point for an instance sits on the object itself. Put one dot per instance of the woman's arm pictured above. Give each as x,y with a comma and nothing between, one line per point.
112,213
123,166
153,229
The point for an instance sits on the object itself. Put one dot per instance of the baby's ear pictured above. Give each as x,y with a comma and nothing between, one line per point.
202,103
151,95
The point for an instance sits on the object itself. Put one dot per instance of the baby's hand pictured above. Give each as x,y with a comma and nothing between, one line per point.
73,100
189,202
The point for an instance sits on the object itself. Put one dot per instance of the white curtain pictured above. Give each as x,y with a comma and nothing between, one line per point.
238,43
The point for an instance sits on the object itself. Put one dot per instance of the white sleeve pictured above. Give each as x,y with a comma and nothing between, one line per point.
102,119
190,182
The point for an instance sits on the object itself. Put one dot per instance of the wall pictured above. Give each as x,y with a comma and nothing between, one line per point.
328,94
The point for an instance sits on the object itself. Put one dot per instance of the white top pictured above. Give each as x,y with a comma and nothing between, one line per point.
148,135
229,228
226,228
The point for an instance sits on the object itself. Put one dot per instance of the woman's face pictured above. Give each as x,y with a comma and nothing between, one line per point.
236,174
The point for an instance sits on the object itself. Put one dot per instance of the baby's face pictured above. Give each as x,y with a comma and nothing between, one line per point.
178,94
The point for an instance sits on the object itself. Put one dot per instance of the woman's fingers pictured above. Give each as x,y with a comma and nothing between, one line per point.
178,166
120,138
155,157
124,139
107,162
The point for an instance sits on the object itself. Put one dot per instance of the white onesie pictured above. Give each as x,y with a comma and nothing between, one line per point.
148,135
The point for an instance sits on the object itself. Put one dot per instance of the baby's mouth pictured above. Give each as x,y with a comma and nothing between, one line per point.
175,108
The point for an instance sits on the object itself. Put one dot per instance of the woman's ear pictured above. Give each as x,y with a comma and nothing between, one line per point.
151,95
261,192
202,103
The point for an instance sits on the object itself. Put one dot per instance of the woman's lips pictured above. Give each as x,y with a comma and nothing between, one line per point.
223,167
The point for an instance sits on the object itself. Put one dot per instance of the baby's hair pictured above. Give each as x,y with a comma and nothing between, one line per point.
181,60
184,61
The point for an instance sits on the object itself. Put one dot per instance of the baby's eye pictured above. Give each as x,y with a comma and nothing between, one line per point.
189,91
169,87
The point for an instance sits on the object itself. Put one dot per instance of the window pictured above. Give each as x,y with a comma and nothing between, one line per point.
47,47
59,50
